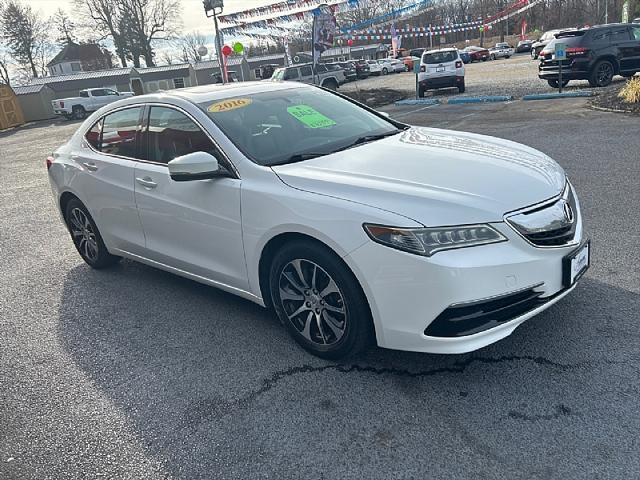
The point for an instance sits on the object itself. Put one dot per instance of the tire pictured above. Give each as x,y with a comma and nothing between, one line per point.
86,237
461,88
332,326
79,113
385,71
553,83
508,56
420,92
602,74
331,85
69,117
492,57
484,59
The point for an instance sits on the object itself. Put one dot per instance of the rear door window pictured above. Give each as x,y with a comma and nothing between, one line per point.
119,132
620,34
306,71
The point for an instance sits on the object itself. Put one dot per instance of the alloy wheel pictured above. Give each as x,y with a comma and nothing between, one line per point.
604,74
313,302
83,235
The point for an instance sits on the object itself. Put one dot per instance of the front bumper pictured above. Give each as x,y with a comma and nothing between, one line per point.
407,292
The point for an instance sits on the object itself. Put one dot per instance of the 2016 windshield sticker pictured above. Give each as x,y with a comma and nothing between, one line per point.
230,104
310,116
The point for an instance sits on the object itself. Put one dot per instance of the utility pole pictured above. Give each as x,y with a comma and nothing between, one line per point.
212,8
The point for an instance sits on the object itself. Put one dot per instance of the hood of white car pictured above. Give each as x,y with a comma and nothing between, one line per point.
433,176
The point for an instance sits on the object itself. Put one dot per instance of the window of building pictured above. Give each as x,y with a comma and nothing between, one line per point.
178,82
119,132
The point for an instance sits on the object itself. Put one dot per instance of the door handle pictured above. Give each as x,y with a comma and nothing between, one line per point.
92,167
146,182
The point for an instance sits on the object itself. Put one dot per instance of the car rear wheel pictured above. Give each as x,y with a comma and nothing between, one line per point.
319,300
602,74
493,57
553,83
79,112
86,237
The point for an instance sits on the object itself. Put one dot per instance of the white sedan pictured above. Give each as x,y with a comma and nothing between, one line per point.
391,65
351,226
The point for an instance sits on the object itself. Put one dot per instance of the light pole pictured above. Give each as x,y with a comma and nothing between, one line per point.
212,8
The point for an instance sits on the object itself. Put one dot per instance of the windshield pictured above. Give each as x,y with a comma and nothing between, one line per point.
286,125
439,57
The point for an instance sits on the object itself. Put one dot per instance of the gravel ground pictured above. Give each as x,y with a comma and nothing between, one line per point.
515,76
133,373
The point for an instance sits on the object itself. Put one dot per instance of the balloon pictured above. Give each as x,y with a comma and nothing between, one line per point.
349,42
226,50
238,48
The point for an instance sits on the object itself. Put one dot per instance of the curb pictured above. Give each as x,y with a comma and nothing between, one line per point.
551,96
489,98
613,110
418,101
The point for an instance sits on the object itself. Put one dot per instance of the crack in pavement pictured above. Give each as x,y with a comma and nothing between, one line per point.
559,411
218,408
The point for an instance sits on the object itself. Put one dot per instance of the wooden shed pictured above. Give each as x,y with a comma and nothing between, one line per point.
10,111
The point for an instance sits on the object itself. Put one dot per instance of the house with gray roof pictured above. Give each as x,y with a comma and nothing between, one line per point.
80,57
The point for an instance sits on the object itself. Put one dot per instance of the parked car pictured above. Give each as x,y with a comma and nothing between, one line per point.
89,100
391,65
465,56
304,73
501,50
374,67
542,42
416,52
409,62
441,68
362,68
524,46
266,71
595,54
350,226
477,53
349,70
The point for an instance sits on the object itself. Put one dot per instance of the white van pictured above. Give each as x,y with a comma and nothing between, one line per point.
441,68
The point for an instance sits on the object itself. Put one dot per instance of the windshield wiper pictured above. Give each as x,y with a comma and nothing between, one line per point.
369,138
299,157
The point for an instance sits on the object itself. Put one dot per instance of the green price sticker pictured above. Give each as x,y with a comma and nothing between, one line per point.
310,116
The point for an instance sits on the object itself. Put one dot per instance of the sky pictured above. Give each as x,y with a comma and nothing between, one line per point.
193,17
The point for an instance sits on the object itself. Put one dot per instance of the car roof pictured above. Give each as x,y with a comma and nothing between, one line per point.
208,93
448,49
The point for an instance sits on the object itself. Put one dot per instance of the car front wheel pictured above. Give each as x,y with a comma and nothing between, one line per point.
319,300
385,71
86,237
553,83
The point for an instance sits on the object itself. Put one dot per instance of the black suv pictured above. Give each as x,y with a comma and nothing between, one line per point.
595,54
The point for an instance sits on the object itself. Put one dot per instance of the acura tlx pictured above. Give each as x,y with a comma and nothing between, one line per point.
352,227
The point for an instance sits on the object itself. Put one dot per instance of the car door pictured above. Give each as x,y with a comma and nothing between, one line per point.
194,226
635,47
105,178
99,98
620,38
306,74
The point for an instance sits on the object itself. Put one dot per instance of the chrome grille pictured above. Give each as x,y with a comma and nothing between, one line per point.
550,225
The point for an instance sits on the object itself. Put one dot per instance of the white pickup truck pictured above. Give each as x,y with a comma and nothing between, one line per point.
501,50
89,100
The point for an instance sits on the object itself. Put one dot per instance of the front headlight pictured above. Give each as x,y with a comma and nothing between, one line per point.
427,241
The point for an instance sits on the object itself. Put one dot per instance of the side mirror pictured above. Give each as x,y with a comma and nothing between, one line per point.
194,166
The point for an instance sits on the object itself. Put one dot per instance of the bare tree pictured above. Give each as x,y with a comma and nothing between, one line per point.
104,18
151,20
188,45
4,70
65,26
25,35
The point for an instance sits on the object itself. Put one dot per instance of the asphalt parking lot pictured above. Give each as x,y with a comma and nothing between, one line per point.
516,76
134,373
